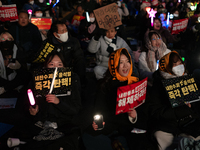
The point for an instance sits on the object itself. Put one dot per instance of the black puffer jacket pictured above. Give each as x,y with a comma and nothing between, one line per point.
72,53
166,118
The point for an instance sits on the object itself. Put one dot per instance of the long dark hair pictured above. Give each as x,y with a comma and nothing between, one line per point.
173,58
51,55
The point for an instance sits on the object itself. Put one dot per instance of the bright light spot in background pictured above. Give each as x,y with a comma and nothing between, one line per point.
183,58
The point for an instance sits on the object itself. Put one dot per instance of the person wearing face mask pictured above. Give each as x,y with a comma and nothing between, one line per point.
169,124
87,29
12,72
69,46
152,51
30,5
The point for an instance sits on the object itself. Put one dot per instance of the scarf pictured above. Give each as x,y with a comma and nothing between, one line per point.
111,44
154,54
113,67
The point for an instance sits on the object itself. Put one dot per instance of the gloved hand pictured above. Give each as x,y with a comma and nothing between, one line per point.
197,26
98,34
14,66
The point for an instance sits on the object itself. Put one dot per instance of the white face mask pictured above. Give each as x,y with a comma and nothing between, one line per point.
32,2
92,19
38,14
63,37
178,70
175,15
41,1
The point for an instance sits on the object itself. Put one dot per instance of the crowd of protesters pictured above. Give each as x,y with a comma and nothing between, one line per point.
67,121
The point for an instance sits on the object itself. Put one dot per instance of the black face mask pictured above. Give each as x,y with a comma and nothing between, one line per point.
7,45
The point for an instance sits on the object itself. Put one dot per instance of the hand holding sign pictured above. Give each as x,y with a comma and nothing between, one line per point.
51,98
132,113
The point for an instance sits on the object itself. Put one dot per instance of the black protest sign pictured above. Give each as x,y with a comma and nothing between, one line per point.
181,90
43,80
108,17
43,52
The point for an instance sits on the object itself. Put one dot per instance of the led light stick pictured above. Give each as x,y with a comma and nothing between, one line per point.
30,13
52,83
31,97
179,1
56,3
87,16
152,15
148,9
168,19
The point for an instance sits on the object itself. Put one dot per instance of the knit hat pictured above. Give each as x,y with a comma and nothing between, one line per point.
143,6
113,64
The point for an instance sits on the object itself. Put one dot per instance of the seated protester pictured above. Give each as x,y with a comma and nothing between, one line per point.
166,36
122,9
170,124
30,6
119,74
12,73
57,111
74,23
21,32
44,7
69,47
88,28
103,46
153,50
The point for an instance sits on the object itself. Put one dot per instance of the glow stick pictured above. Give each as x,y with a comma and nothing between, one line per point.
31,97
56,3
52,83
152,15
167,19
30,13
87,16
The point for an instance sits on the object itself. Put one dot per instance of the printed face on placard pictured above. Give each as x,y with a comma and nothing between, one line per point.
23,19
55,62
124,66
155,40
110,33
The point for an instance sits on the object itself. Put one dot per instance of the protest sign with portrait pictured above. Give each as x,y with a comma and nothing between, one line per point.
108,17
8,13
43,79
181,90
131,96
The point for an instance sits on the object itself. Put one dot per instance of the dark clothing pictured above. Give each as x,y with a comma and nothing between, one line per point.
166,118
64,112
29,6
27,37
72,53
83,28
167,37
106,105
89,6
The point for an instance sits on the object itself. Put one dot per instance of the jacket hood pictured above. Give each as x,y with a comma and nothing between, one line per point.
164,62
